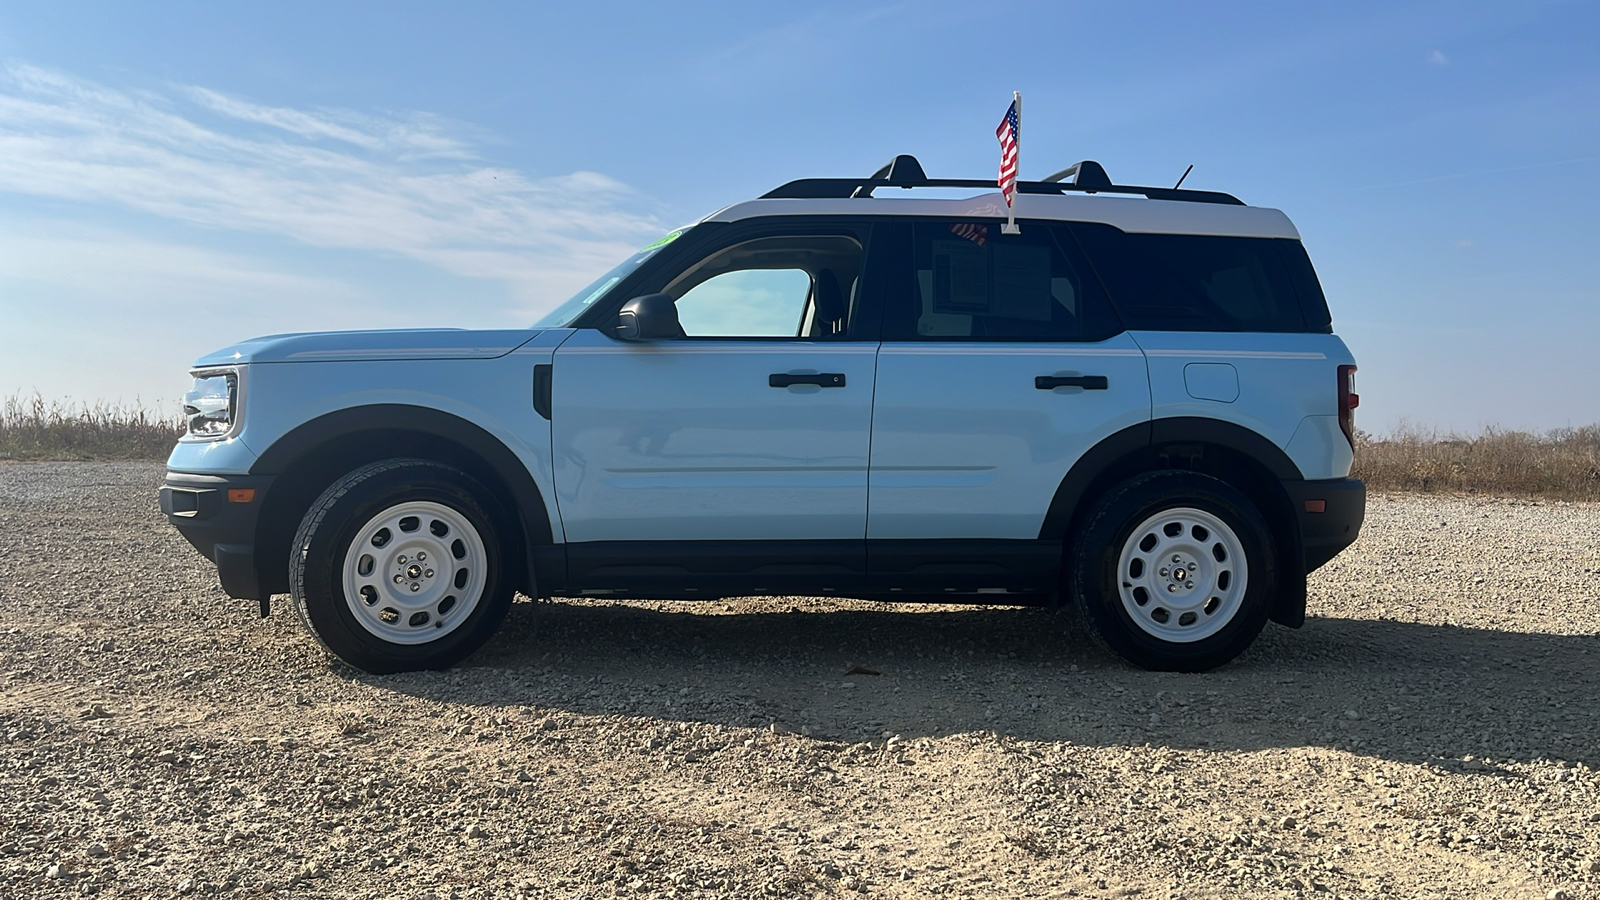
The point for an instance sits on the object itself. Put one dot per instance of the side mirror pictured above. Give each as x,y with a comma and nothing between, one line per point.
652,317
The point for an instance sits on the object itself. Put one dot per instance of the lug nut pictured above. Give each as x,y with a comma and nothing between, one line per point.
1164,572
399,579
1172,588
415,587
421,556
1176,559
402,560
427,573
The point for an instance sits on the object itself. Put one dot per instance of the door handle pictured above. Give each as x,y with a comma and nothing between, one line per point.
1087,382
821,379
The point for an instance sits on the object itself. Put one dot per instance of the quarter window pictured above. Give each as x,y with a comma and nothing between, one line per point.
1182,282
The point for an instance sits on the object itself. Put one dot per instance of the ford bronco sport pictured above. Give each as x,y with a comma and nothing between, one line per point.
1136,405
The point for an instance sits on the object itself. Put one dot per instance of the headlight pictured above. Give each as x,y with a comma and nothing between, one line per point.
211,407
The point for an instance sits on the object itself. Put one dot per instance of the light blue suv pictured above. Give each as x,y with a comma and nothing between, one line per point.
1136,404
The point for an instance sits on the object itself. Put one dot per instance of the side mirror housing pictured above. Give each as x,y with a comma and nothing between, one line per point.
652,317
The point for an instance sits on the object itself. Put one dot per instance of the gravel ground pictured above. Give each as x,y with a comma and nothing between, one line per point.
1433,731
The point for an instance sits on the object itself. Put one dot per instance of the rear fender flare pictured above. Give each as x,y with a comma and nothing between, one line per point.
1162,443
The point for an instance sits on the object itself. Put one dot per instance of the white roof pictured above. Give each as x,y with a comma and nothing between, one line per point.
1132,214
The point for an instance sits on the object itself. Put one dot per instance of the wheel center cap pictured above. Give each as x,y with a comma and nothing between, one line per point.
413,571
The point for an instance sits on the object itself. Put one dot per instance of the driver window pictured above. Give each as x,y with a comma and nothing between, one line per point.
777,287
751,303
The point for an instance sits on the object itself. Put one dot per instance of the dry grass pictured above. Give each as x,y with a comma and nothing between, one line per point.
1563,464
34,429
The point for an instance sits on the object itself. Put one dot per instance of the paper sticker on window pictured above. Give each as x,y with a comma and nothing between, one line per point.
1021,283
664,240
960,277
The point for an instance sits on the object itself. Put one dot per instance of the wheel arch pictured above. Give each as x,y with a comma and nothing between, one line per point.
1232,453
316,453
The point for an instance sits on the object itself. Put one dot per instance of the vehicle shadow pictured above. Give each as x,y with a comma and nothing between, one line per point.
1397,690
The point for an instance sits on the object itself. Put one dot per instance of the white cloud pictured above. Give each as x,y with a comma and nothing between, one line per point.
399,184
1437,58
416,135
149,278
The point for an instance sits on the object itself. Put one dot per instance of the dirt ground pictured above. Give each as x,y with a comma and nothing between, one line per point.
1433,731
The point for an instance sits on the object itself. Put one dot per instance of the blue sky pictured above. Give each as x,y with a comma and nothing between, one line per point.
178,176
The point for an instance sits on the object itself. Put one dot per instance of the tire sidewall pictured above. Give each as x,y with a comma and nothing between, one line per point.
1096,579
325,537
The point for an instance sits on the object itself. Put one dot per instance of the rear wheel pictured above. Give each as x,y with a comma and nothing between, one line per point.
397,566
1174,571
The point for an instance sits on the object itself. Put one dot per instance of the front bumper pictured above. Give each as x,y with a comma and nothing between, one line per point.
218,515
1330,514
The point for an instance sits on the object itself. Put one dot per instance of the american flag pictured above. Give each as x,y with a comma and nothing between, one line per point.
1009,133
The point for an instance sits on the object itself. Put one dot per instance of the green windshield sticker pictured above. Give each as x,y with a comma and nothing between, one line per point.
666,239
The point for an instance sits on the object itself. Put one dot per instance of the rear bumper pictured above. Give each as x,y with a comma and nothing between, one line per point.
218,515
1343,504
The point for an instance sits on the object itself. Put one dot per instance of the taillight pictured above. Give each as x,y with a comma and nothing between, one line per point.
1348,401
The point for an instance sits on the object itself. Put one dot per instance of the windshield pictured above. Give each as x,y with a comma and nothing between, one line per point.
582,300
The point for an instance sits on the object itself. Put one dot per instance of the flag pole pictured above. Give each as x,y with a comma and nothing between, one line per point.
1010,227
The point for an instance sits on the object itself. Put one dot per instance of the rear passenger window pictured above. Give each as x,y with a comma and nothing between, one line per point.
1178,282
972,283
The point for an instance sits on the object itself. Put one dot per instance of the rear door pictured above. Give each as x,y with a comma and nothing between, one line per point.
1001,364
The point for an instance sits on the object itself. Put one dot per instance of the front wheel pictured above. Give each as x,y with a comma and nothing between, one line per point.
397,566
1174,571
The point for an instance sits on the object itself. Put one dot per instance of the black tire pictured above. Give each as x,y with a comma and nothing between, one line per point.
1134,602
399,510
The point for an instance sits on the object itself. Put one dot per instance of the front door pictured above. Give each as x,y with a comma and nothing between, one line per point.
754,426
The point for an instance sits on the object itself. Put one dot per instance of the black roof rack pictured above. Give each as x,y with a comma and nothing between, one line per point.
905,172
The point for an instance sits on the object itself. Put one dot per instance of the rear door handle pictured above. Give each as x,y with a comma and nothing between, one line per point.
1087,382
821,379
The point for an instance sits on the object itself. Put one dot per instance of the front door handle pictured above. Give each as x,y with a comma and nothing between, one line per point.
820,379
1087,382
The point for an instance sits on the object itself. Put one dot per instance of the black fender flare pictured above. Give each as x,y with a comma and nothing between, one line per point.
390,423
1138,448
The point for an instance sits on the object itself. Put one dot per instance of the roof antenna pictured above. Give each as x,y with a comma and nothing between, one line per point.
1183,176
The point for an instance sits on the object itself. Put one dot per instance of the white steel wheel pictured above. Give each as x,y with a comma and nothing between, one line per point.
414,572
1182,575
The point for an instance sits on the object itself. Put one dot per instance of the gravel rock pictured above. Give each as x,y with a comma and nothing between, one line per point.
601,749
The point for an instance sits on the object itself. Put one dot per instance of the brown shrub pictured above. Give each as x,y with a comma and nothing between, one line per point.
34,429
1563,464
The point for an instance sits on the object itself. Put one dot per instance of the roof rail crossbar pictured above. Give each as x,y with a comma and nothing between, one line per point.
904,171
1089,175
